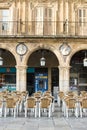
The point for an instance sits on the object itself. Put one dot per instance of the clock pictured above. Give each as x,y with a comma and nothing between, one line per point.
21,49
65,49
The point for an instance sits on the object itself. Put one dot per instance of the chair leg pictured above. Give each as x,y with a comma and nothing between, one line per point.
39,112
5,112
0,112
17,109
35,112
64,109
25,112
80,112
14,112
49,112
59,101
67,112
76,112
53,106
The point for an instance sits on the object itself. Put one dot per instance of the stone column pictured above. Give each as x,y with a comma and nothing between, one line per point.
13,18
18,4
23,10
60,14
21,78
64,78
49,79
66,15
71,18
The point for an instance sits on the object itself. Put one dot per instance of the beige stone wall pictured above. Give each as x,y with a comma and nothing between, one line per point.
51,45
63,9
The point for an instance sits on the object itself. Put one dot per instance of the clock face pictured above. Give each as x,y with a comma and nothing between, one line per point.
65,49
21,49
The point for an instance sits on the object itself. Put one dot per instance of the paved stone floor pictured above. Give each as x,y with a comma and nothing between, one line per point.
56,122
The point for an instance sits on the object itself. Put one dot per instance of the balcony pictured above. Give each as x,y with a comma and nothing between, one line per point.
42,29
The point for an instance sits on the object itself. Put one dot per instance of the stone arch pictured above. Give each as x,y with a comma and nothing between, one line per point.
79,48
44,46
10,49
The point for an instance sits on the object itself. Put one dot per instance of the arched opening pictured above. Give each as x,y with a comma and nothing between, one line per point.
7,71
42,77
78,71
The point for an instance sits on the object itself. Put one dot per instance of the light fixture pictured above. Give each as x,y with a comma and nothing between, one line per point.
1,59
42,60
85,60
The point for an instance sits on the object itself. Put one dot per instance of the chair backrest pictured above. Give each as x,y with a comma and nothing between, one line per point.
46,94
31,102
83,93
71,94
84,103
71,103
37,95
10,103
45,102
61,94
40,92
50,97
1,103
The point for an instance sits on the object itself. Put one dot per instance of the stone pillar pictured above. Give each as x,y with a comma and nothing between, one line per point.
13,18
18,4
66,10
49,79
71,18
21,78
60,21
64,78
66,19
23,10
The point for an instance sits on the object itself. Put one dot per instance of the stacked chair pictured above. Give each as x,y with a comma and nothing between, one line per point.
16,102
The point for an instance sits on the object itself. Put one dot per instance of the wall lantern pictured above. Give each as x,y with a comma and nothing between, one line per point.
42,60
1,59
85,61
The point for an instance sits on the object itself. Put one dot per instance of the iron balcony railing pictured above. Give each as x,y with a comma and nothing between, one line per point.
42,28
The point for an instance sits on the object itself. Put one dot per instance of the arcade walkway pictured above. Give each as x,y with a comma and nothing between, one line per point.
56,122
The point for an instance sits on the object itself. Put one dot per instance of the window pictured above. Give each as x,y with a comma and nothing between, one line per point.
4,17
82,17
43,20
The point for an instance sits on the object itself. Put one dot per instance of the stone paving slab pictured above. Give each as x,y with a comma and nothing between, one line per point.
56,122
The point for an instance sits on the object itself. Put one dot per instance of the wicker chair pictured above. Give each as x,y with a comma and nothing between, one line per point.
1,108
30,104
10,104
60,97
83,106
45,104
71,105
52,102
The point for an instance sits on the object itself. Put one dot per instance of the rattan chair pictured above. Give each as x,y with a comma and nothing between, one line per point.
45,106
60,97
1,108
52,102
83,107
30,104
10,105
71,105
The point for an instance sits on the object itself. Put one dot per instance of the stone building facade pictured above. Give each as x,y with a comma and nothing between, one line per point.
55,28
